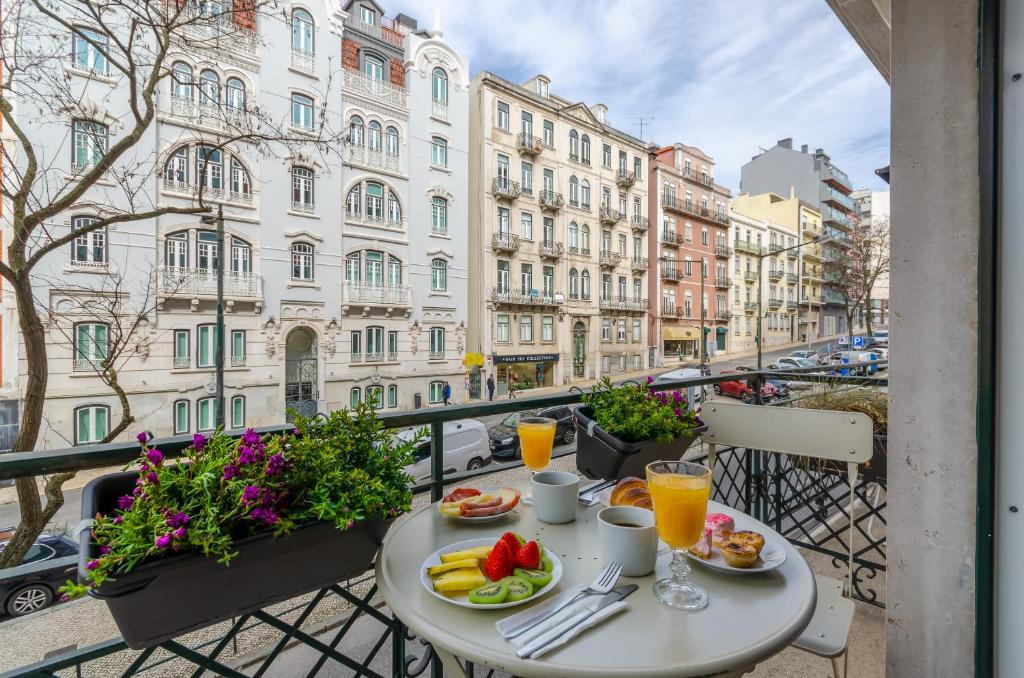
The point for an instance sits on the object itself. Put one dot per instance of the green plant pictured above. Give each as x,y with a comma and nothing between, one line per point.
343,469
632,412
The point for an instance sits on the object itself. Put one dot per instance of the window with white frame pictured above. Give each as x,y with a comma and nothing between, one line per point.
438,275
374,344
302,189
621,326
439,215
549,134
355,396
606,155
585,285
302,31
547,328
503,116
238,411
526,225
209,89
502,331
182,416
585,149
585,194
88,49
92,422
302,261
436,342
435,392
91,345
374,396
574,145
356,345
88,249
237,348
206,414
574,284
606,329
526,327
526,177
302,111
91,140
439,86
574,191
206,345
438,152
182,349
373,68
636,329
392,396
392,345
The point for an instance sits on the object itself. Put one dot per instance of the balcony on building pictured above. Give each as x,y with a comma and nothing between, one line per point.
792,278
639,264
775,275
723,250
529,144
182,282
774,303
625,178
609,259
670,238
611,216
435,355
747,247
374,158
722,314
439,110
750,307
750,276
551,201
839,198
812,229
302,60
524,297
355,357
791,306
94,365
690,208
379,220
803,320
580,251
212,115
774,247
702,178
671,273
723,282
237,361
388,296
639,223
219,33
356,82
792,254
836,177
387,30
373,357
668,310
549,249
240,195
505,242
623,304
832,297
837,218
182,362
505,189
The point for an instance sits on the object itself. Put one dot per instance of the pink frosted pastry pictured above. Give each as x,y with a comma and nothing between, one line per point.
702,549
721,527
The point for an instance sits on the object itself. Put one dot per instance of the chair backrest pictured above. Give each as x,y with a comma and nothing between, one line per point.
823,434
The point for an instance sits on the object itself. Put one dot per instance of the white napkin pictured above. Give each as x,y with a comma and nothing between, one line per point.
563,615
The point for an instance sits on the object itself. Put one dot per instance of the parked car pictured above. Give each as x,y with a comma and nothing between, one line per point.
504,439
742,390
881,334
465,449
689,372
791,361
33,585
818,355
841,358
781,387
871,343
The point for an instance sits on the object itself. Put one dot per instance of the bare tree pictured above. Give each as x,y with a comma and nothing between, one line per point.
113,168
855,269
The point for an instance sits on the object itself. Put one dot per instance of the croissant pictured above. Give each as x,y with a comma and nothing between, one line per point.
632,491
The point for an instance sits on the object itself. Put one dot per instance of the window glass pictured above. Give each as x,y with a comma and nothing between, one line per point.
91,424
436,392
302,31
503,327
302,261
90,143
302,188
438,152
181,417
354,396
88,50
206,345
90,345
89,248
302,111
392,396
439,86
373,68
206,415
439,275
238,412
503,116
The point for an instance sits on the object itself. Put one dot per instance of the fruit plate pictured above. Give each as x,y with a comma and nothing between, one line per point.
460,598
772,556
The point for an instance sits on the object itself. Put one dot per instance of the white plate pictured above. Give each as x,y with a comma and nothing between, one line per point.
460,599
772,556
485,519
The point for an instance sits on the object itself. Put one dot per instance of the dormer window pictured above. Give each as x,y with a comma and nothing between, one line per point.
367,16
542,88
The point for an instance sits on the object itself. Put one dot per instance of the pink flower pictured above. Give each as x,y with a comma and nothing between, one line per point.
179,533
104,550
199,442
126,502
275,464
230,471
163,541
153,478
92,564
177,520
250,494
265,515
117,520
155,456
143,437
246,455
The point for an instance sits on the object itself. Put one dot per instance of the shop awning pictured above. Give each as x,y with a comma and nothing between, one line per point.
676,333
722,330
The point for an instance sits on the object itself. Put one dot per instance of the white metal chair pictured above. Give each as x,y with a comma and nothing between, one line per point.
843,437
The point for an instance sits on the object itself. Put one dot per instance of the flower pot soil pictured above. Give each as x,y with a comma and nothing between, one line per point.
171,595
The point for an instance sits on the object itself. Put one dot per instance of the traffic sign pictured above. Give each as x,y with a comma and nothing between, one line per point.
858,342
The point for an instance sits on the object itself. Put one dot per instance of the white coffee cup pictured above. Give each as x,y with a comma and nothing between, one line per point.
635,548
555,495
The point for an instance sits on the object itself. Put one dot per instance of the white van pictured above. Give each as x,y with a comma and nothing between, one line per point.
465,449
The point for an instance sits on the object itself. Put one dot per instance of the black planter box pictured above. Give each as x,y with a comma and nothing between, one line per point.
168,596
602,455
873,471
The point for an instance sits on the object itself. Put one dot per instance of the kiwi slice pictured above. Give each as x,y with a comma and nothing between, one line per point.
489,594
546,565
518,588
538,578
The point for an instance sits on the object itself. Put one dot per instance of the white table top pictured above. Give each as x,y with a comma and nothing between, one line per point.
749,618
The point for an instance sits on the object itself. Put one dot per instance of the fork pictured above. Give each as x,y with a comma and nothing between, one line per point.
588,496
602,584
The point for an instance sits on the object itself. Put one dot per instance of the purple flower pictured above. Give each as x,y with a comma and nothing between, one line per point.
155,456
177,520
679,412
246,455
677,396
650,380
275,464
295,431
92,564
250,494
230,471
350,525
117,520
152,477
143,437
124,503
179,533
199,442
250,438
143,468
104,550
265,515
163,541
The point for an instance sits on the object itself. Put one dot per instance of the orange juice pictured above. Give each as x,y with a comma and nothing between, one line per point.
536,438
680,503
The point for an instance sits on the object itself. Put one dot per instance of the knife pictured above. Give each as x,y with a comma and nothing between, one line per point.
542,641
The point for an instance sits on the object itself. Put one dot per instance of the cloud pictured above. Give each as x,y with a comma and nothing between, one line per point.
728,77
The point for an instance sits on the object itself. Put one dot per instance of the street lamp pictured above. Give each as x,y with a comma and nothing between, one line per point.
219,334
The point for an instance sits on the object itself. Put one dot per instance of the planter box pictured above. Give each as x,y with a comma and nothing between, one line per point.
602,455
171,595
873,471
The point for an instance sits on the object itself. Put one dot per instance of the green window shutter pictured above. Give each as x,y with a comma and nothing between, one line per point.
101,423
83,425
100,342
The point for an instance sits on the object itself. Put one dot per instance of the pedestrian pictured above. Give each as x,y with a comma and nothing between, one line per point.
490,387
446,391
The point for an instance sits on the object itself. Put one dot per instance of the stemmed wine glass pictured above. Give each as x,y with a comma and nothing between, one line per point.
536,440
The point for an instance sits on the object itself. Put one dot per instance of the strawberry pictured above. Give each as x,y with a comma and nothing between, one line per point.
501,563
528,556
511,541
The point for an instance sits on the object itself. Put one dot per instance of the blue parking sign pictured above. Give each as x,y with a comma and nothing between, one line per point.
858,342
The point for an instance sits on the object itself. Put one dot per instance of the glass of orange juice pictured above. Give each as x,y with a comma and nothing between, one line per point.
536,440
679,492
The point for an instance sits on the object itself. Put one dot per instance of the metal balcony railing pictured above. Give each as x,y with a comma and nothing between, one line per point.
790,305
238,361
668,309
792,278
670,238
774,303
639,223
302,60
670,273
625,178
748,247
551,250
723,281
303,206
688,207
551,200
529,144
377,90
377,295
505,242
626,304
611,216
375,158
639,264
436,355
775,275
374,356
505,188
722,314
504,295
199,282
87,364
750,276
774,247
242,194
387,30
182,362
355,357
212,115
793,253
750,306
380,220
701,178
439,109
609,258
723,250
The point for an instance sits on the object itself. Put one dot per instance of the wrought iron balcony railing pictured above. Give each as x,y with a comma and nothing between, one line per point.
377,90
748,247
639,264
790,306
504,295
377,295
774,247
723,250
380,220
688,207
384,28
609,258
750,307
702,178
671,273
722,314
626,304
505,188
723,282
551,200
775,275
792,278
529,144
774,303
611,216
639,223
551,250
176,281
670,238
625,178
750,276
505,242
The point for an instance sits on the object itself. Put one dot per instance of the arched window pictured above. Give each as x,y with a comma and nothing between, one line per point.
374,201
391,142
394,210
374,273
574,191
585,284
439,86
90,248
394,271
354,396
238,411
574,237
91,424
574,284
302,261
241,185
176,250
392,396
209,88
355,131
176,170
574,145
585,194
438,215
302,189
210,167
438,152
585,149
353,272
355,201
438,275
373,139
181,80
585,239
302,31
373,67
234,94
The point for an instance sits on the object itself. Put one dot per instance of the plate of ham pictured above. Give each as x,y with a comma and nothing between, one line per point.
479,506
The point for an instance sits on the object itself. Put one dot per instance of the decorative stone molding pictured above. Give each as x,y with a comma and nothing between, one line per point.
414,337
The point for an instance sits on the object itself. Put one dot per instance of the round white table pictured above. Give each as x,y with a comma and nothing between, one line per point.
749,618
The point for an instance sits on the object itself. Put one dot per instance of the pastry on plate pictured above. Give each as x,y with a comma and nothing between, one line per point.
747,538
739,555
702,549
631,491
721,527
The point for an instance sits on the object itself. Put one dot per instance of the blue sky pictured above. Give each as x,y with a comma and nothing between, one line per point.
726,76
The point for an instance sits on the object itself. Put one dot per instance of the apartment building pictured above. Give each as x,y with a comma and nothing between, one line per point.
690,316
873,209
775,251
558,250
334,288
819,182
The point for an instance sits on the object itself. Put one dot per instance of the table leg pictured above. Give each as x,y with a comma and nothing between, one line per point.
452,666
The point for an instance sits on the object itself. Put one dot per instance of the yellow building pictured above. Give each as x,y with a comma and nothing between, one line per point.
791,280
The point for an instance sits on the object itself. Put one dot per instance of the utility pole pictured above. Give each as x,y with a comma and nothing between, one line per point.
760,258
219,395
703,347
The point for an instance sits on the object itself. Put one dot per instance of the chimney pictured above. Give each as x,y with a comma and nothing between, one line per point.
803,149
792,192
819,151
785,143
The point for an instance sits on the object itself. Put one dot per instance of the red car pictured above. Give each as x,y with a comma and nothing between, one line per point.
742,390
